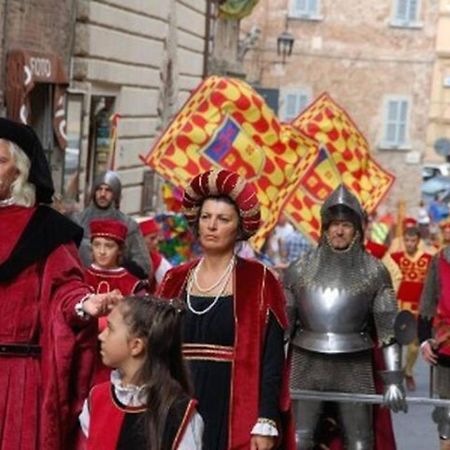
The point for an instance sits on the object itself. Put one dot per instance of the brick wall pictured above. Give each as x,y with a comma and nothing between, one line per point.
353,52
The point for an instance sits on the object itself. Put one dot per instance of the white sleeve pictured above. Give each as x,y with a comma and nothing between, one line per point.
85,418
192,437
164,266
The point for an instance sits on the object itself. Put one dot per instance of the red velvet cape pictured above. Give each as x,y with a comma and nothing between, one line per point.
257,292
40,398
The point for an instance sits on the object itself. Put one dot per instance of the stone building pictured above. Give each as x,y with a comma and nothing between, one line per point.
140,60
374,58
36,41
439,120
137,59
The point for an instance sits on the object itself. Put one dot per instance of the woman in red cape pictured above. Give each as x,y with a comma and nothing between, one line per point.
234,327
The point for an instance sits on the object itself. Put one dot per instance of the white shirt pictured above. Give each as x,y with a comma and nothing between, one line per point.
134,396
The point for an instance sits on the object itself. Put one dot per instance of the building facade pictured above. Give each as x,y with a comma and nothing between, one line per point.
374,58
36,41
134,61
438,133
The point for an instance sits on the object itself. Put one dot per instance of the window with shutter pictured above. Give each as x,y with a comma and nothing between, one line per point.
396,123
406,13
294,101
307,9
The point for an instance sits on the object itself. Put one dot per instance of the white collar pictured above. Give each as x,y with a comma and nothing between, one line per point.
129,395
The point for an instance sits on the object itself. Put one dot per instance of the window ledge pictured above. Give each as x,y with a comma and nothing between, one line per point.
308,17
396,23
384,146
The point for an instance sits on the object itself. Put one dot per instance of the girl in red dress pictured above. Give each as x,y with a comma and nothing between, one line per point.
146,405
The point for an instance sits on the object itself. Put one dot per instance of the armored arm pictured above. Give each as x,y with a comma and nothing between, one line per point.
385,311
394,392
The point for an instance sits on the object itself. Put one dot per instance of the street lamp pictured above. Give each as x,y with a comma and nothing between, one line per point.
285,42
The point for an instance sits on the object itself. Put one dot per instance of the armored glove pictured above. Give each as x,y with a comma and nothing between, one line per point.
394,392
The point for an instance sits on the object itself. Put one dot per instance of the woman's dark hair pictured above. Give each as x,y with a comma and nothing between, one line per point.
228,201
163,373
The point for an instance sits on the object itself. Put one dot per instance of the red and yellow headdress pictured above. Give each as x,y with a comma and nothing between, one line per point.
215,183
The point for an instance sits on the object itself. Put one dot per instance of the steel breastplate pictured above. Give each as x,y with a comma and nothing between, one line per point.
333,320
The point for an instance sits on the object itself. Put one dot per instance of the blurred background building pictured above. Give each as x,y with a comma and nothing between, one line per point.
375,59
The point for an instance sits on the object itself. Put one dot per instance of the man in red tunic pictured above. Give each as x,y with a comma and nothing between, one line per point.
413,262
47,335
434,335
152,235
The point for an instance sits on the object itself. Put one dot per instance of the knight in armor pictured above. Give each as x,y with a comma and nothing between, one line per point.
341,305
434,335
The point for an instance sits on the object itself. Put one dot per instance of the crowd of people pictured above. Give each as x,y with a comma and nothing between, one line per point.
110,347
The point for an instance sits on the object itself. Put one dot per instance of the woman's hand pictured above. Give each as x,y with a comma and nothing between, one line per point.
428,351
98,305
259,442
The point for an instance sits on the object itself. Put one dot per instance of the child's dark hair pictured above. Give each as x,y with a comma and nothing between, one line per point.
163,373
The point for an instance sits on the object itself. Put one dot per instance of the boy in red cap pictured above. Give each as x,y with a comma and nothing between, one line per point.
152,234
105,273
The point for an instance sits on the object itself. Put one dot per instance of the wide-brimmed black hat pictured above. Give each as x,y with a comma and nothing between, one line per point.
25,137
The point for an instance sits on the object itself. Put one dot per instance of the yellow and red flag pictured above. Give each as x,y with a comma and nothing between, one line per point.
226,124
342,156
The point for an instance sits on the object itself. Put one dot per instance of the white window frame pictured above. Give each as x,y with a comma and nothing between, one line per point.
308,12
398,123
303,98
406,21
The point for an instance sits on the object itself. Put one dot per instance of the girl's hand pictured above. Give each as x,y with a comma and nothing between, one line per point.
428,353
98,305
259,442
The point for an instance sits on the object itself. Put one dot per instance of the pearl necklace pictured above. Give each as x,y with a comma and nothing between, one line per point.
218,282
216,299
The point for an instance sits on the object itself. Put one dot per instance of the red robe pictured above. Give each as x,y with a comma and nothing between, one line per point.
41,397
103,281
257,292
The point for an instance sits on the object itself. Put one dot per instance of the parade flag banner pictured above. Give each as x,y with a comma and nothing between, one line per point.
226,124
343,156
330,125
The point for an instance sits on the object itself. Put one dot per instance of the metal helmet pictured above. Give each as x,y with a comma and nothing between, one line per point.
110,178
342,205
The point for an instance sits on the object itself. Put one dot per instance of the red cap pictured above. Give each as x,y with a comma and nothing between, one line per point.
108,228
409,222
149,226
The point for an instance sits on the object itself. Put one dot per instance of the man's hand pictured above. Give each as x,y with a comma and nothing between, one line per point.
259,442
428,351
98,305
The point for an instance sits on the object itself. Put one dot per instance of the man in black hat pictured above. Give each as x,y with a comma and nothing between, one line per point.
336,293
106,194
47,330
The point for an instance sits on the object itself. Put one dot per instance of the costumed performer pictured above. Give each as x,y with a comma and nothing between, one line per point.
334,292
152,235
47,335
414,264
146,405
234,326
434,335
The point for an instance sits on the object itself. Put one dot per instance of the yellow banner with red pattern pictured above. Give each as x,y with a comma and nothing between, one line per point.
226,124
294,167
343,156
